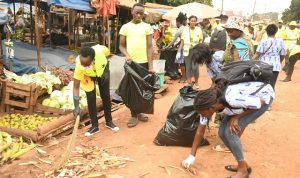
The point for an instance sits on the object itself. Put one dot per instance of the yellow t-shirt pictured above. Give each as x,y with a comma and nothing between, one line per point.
84,75
136,40
86,83
281,33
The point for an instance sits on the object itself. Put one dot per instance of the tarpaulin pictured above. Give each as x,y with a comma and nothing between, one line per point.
82,5
105,8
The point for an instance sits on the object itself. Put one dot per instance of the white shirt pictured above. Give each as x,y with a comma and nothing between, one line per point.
214,68
271,50
241,96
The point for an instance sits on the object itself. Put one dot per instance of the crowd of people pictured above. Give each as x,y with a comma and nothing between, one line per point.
230,40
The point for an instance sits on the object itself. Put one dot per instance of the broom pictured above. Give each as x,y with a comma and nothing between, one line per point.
70,147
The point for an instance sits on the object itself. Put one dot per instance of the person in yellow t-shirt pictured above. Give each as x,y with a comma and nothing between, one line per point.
91,67
191,36
294,56
136,45
281,30
290,41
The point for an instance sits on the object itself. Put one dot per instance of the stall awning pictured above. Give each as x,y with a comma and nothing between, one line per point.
82,5
126,3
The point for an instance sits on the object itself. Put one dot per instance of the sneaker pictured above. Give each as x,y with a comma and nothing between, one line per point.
112,126
92,131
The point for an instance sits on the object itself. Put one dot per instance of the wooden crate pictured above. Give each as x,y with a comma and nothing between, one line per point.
20,98
49,111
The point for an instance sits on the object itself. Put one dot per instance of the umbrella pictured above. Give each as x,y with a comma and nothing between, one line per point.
202,11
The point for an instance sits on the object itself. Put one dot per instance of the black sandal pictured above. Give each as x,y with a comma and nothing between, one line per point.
229,168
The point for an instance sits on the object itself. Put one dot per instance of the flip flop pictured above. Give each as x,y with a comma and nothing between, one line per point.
246,176
218,148
230,168
132,122
142,117
285,80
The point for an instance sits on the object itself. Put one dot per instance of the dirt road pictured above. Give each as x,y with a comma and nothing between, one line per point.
272,144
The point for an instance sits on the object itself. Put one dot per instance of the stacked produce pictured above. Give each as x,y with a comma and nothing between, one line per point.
26,122
64,99
12,148
43,79
65,76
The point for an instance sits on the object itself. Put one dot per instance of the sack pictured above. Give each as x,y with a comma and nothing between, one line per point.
182,121
246,71
137,88
218,39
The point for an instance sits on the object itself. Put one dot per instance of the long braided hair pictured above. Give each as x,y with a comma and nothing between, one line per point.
206,98
201,54
181,18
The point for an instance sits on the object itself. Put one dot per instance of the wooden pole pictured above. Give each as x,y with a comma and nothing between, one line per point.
108,32
74,34
117,31
50,28
103,33
37,33
14,6
77,29
31,22
98,30
69,28
222,7
1,49
253,10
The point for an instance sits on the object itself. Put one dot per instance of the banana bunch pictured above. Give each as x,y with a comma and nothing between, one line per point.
12,148
27,122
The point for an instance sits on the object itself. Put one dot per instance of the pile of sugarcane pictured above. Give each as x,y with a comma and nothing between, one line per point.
85,162
11,147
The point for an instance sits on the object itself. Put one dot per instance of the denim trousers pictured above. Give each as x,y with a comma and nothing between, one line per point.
231,140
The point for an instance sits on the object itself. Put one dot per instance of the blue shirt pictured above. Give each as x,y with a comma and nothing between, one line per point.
242,47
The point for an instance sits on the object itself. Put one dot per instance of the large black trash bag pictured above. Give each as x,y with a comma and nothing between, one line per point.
170,67
137,88
182,121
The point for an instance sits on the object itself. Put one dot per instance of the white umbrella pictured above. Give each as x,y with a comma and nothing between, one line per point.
199,10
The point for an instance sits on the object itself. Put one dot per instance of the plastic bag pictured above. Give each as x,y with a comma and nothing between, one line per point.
137,88
170,66
182,121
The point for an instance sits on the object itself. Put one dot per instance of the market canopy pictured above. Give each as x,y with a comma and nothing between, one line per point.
126,3
82,5
202,11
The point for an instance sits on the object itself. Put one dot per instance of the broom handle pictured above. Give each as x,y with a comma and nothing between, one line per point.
70,147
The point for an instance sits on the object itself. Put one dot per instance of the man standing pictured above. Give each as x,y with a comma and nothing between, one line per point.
281,30
290,41
259,34
136,45
92,66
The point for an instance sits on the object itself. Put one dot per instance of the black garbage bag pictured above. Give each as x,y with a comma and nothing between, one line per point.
137,88
182,121
170,67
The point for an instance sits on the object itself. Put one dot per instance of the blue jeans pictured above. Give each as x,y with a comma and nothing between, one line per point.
232,141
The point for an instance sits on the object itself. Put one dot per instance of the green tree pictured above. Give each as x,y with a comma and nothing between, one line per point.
293,12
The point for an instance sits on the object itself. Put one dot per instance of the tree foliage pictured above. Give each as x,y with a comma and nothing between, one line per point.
270,16
293,12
